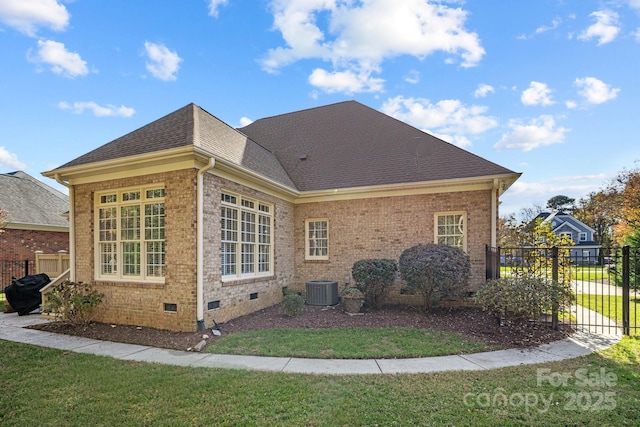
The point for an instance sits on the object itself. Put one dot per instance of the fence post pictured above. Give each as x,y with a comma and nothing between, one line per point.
26,267
554,278
625,291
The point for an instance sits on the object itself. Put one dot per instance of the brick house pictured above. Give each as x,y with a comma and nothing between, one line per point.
188,221
36,218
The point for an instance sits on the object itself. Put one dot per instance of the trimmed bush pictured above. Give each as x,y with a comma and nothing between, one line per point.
524,297
435,271
374,278
293,304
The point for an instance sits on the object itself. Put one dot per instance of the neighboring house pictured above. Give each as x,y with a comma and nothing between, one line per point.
586,249
37,217
188,221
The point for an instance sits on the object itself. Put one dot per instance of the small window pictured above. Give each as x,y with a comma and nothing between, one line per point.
450,229
317,239
582,236
170,307
212,305
253,296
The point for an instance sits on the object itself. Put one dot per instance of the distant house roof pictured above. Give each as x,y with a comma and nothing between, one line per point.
341,145
31,203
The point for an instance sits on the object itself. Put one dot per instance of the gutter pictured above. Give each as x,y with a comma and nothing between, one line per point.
200,244
72,228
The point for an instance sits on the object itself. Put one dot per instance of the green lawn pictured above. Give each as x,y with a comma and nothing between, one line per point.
611,306
346,343
60,388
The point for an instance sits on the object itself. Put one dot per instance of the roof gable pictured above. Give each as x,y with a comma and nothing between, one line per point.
29,202
351,145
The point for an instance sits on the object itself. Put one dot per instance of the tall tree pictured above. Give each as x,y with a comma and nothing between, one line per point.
599,210
561,203
626,187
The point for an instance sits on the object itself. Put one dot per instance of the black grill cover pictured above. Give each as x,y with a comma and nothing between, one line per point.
24,294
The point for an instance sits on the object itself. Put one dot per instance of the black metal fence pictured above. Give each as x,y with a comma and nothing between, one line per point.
17,269
606,281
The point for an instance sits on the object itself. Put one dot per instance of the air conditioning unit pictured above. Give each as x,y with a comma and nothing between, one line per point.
322,292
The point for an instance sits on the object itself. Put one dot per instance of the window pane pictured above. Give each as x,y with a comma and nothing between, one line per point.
228,258
155,259
154,221
107,224
130,222
318,239
108,258
133,195
450,230
131,258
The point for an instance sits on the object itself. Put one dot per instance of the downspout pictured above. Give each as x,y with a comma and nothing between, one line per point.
200,245
72,228
494,212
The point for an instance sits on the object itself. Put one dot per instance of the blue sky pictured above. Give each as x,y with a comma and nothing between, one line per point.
549,88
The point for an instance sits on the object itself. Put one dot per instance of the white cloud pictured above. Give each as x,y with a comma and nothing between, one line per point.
634,4
595,91
544,28
214,5
537,94
27,15
163,64
345,81
61,61
449,119
412,77
483,90
245,121
97,110
571,104
605,29
10,160
537,133
356,37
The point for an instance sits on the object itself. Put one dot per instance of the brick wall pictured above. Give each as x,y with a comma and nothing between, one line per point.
383,228
233,297
143,303
20,245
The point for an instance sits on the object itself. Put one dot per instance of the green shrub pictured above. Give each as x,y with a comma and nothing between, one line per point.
293,304
435,270
73,302
524,297
352,292
374,277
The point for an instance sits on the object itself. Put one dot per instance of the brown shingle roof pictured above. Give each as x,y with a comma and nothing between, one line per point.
335,146
350,145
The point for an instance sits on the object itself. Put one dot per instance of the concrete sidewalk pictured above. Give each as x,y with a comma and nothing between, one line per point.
13,328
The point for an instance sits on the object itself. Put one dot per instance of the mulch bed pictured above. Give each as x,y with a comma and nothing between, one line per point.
467,321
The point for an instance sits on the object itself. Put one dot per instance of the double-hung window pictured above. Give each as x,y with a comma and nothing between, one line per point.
450,229
130,234
317,239
246,227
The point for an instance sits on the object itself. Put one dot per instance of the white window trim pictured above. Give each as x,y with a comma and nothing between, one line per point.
119,276
465,228
582,236
238,258
307,245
